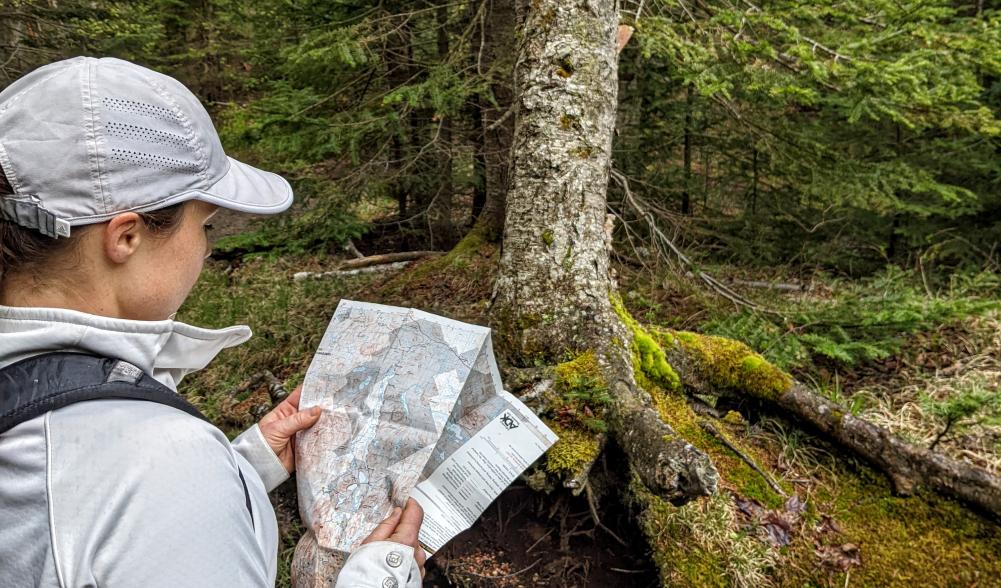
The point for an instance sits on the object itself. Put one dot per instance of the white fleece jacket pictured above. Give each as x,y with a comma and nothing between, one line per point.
123,493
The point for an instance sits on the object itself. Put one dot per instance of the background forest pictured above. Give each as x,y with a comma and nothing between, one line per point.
819,180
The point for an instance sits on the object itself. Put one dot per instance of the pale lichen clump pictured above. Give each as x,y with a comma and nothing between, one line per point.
649,361
574,451
730,364
701,543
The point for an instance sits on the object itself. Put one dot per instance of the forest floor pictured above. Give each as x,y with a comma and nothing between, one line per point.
834,521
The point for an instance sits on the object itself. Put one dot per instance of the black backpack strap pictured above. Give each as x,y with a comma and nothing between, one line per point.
39,384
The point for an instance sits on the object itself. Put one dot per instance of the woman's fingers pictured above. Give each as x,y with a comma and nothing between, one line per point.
421,556
409,525
279,431
402,526
385,529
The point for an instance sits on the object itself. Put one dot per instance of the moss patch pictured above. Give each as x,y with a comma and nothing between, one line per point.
923,540
575,449
735,474
580,395
649,360
730,364
547,237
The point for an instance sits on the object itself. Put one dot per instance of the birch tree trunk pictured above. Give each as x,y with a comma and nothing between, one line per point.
553,294
553,290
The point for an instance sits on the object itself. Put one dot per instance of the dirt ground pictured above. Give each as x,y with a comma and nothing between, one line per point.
517,543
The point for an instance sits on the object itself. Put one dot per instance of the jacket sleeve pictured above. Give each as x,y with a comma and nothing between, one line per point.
252,446
380,564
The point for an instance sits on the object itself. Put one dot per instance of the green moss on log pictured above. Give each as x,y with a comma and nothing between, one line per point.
727,363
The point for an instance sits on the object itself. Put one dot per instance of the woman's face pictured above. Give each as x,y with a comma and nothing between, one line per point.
166,268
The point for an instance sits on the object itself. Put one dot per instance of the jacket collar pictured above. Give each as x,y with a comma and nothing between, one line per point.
167,350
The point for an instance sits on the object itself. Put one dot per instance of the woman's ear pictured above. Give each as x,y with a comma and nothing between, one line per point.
123,236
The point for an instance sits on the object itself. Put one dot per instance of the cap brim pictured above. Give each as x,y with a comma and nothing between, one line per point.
248,189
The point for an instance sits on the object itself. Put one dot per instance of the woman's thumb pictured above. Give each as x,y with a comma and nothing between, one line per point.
294,423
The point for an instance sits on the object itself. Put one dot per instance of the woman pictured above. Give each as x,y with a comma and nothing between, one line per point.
111,173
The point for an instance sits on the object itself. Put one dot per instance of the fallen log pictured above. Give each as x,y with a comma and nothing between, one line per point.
719,366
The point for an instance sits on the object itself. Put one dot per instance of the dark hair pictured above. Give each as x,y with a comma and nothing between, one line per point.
23,249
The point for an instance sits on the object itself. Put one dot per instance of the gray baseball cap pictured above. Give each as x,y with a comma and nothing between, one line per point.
84,139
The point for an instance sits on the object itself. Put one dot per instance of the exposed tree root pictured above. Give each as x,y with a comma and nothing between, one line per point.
667,464
717,366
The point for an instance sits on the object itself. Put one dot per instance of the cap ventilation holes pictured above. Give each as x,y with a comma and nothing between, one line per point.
152,160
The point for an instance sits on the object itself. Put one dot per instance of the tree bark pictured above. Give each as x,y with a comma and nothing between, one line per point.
554,285
441,229
495,58
686,194
553,294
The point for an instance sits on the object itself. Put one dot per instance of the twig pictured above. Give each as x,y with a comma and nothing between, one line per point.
709,428
539,540
712,282
350,248
501,120
594,515
771,285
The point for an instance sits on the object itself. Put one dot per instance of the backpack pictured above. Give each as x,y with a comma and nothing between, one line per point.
32,387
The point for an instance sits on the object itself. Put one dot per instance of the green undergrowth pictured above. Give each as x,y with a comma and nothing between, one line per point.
846,322
324,217
288,319
860,320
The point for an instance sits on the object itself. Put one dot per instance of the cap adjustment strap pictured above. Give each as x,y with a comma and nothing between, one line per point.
31,214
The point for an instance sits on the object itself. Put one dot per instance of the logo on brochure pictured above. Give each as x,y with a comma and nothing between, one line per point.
508,420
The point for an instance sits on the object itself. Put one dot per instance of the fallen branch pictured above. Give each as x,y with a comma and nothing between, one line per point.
770,285
385,258
300,276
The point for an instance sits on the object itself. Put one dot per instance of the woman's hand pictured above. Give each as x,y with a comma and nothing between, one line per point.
281,424
403,526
